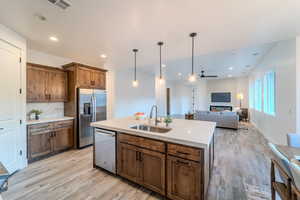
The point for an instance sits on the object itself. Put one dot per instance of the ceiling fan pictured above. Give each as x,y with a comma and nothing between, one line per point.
206,76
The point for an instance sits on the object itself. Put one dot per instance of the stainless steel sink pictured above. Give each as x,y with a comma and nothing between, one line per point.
154,129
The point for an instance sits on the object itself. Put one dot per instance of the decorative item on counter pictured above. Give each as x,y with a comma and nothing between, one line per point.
36,113
168,120
139,115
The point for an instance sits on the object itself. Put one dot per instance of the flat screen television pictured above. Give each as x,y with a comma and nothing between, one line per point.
221,97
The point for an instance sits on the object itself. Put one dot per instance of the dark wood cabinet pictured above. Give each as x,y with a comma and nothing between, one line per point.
128,163
49,138
153,170
36,84
176,171
62,139
40,144
141,165
84,77
184,179
46,84
98,79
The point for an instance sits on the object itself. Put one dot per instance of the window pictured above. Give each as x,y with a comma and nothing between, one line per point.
251,95
269,93
258,95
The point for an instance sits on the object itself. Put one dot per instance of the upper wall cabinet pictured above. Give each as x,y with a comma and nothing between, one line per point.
86,76
46,84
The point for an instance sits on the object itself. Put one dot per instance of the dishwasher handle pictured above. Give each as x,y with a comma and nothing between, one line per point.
105,132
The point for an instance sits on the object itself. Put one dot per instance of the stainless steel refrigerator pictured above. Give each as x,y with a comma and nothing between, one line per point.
91,108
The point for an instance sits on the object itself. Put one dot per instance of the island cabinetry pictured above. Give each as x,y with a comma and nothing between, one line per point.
184,179
143,161
49,138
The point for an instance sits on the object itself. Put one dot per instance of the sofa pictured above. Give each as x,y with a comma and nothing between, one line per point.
224,119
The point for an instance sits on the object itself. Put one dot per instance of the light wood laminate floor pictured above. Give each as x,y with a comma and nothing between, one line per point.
241,171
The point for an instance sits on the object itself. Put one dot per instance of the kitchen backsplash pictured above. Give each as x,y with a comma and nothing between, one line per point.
50,110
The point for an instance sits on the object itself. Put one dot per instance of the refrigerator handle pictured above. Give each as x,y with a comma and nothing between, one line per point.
94,108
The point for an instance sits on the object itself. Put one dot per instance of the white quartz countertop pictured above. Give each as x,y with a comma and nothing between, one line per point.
46,120
193,133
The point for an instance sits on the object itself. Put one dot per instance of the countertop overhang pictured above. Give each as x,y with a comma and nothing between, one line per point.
194,133
47,120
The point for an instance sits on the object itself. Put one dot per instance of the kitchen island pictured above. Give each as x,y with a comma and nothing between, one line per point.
174,161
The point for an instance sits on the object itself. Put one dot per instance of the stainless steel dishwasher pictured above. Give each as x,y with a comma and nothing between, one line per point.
105,149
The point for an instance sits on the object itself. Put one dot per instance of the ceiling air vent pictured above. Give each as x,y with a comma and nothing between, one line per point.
63,4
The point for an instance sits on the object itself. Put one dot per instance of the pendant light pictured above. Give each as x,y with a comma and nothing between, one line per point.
161,79
192,77
135,82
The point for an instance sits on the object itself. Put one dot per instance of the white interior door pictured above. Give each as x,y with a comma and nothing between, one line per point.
10,105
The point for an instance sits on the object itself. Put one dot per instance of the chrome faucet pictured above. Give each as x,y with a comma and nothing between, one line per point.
151,112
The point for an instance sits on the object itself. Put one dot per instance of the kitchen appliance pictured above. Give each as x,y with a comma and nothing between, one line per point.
105,150
91,107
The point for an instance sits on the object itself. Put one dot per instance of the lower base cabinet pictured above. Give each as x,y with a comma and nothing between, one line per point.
184,179
172,170
48,138
142,166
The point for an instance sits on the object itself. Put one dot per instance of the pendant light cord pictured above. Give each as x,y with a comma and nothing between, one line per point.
193,35
193,55
160,70
135,50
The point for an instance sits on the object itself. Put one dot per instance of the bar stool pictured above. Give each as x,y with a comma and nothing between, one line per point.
281,164
295,169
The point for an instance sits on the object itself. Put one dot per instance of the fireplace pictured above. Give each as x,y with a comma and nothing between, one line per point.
220,108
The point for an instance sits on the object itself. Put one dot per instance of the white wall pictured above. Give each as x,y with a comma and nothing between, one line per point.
129,100
232,85
298,84
20,42
281,59
181,96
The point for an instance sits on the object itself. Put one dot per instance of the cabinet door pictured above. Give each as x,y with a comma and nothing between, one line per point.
184,179
39,144
98,80
128,164
63,139
153,170
84,77
57,86
36,84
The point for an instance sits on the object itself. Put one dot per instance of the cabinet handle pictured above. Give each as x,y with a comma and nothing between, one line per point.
49,96
137,155
182,162
1,129
180,152
141,158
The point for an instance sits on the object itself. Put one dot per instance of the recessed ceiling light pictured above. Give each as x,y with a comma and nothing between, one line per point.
163,65
229,75
53,38
103,56
179,74
230,68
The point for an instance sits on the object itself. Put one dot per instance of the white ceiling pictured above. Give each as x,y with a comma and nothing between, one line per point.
114,27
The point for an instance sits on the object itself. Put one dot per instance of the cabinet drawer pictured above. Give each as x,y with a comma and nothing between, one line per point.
185,152
40,128
63,124
142,142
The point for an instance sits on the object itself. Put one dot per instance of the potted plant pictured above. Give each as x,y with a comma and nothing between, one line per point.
168,120
36,112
